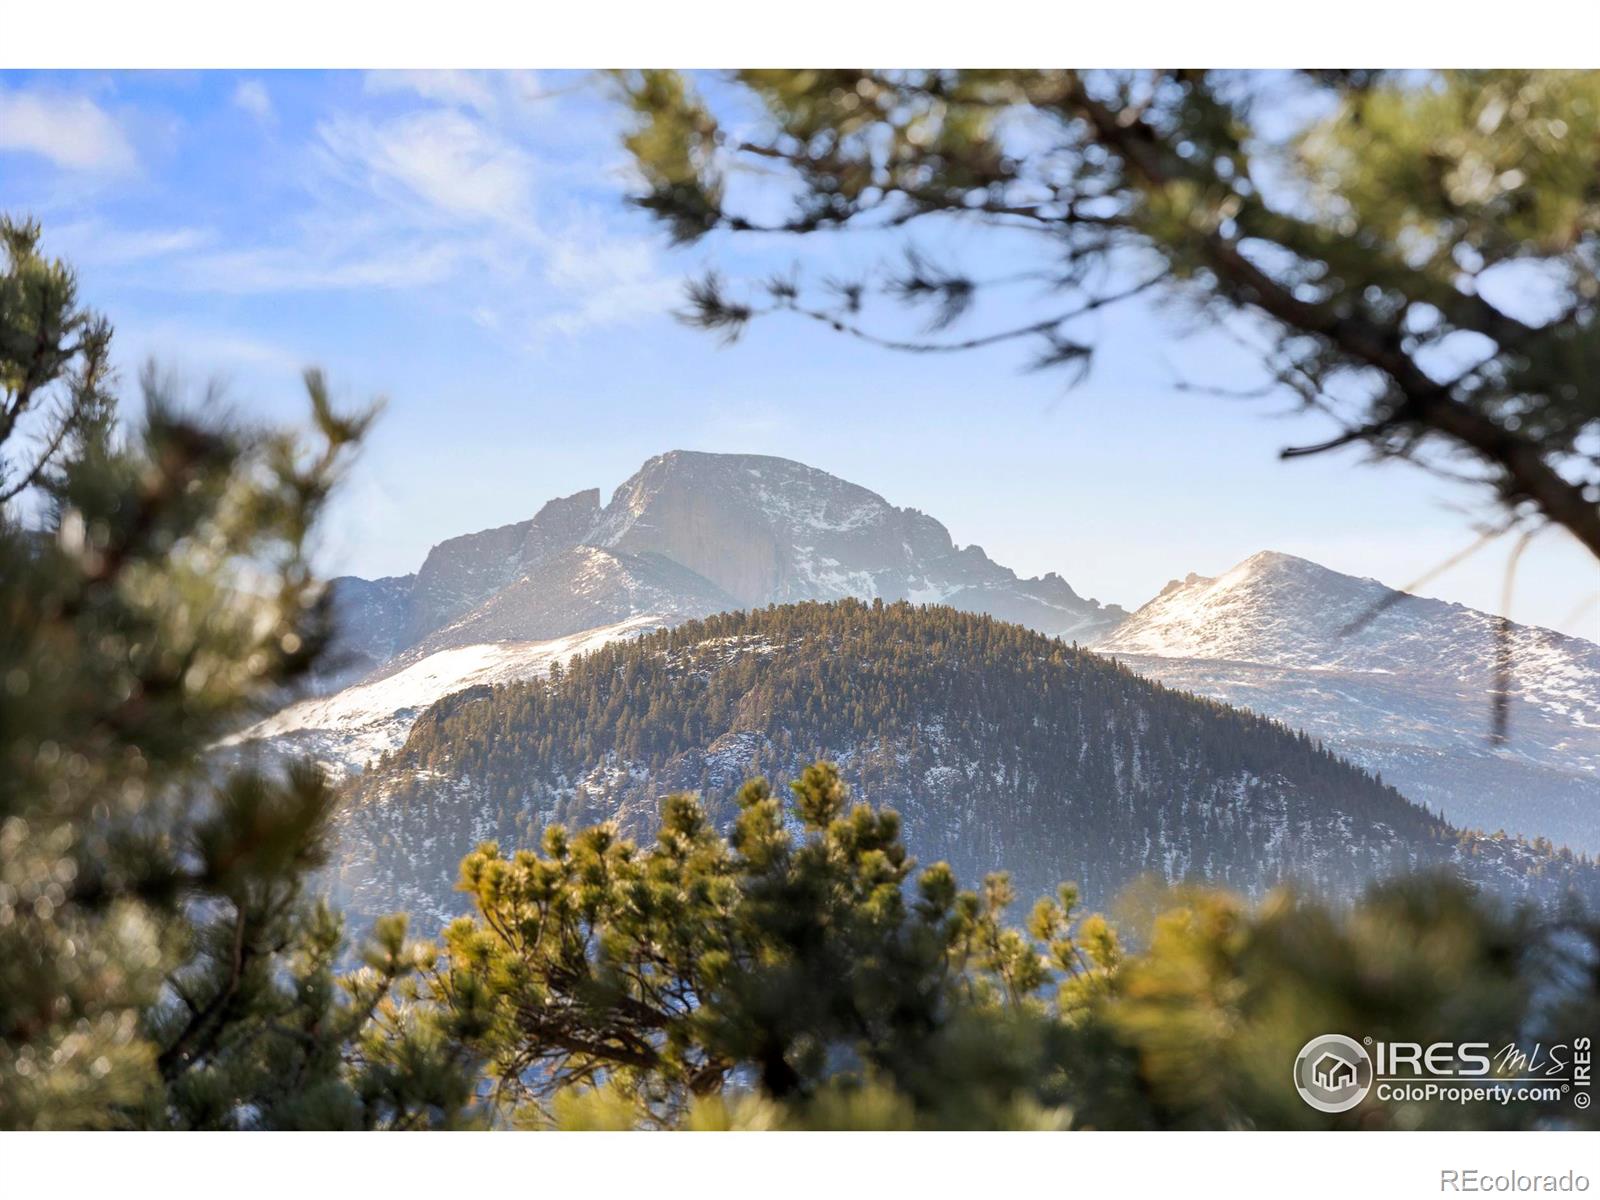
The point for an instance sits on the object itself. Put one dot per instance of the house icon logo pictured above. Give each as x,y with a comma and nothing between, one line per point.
1333,1073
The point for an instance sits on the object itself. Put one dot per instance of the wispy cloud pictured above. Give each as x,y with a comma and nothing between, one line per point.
448,161
458,187
203,346
460,88
95,243
488,93
71,131
452,188
621,304
597,278
252,96
397,264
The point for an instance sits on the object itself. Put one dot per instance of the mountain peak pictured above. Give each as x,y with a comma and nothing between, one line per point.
698,464
1266,559
1283,610
740,530
1276,564
770,530
1271,607
1401,683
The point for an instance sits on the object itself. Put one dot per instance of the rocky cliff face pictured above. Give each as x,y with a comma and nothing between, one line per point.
688,534
580,588
370,617
461,573
771,531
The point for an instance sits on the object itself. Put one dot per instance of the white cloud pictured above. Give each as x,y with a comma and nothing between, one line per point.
71,131
519,95
252,96
463,89
586,257
395,264
443,158
439,196
203,348
94,243
598,278
620,304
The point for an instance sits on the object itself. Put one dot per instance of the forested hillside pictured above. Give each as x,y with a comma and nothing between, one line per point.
999,746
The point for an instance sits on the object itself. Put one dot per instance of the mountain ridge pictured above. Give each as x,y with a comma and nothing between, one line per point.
692,533
999,747
1400,683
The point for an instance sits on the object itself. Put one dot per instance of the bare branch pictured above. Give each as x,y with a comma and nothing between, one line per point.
1505,650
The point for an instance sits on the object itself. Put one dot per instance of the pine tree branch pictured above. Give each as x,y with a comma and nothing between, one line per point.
202,1029
31,476
1426,404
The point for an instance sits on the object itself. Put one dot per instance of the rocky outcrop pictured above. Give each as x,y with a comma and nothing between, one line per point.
461,573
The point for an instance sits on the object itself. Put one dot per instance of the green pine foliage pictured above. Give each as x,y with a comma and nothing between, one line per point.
727,962
163,962
785,963
1226,993
799,972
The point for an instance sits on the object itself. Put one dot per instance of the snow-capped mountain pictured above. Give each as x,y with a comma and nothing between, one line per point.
690,534
771,531
576,589
1406,694
1399,683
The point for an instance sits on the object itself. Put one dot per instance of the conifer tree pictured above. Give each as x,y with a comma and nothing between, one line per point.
162,962
54,363
797,972
798,967
1225,994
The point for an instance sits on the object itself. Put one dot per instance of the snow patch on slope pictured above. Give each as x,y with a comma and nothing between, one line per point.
362,723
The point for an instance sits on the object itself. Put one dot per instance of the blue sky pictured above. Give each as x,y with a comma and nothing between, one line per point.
460,244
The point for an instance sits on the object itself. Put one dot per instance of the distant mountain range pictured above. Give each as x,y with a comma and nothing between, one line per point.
999,747
688,535
693,534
